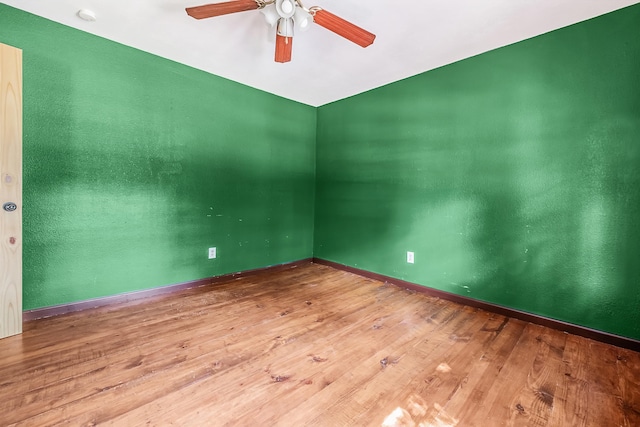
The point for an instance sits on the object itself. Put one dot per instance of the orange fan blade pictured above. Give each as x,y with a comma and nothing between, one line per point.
283,48
343,28
217,9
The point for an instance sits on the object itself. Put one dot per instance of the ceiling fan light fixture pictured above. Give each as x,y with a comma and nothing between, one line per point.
287,14
303,19
270,14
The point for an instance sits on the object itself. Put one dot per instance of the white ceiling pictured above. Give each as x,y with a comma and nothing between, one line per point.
412,37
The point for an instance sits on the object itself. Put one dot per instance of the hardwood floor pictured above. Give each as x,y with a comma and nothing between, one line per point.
309,346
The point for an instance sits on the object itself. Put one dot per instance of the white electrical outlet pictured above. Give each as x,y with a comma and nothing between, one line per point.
212,253
410,257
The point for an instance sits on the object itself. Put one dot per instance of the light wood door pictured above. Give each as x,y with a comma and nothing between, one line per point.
10,191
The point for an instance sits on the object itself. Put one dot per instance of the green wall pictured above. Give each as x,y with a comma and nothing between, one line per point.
134,165
514,176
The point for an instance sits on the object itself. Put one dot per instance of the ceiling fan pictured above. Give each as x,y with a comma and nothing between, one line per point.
285,15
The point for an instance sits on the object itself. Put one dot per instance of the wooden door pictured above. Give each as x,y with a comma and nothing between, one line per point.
10,191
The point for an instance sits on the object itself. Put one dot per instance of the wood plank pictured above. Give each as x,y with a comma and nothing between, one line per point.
445,378
370,357
116,365
10,190
276,366
534,401
628,368
227,349
301,367
600,372
571,398
441,363
496,400
161,315
324,406
310,346
220,302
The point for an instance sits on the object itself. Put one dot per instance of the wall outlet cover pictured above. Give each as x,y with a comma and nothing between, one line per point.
212,253
410,258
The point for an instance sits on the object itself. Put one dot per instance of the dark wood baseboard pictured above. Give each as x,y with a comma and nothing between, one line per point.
571,328
57,310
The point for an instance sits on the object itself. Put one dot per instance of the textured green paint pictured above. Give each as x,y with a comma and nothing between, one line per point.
134,165
513,175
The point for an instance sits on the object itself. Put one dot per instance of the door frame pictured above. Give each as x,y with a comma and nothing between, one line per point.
10,190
